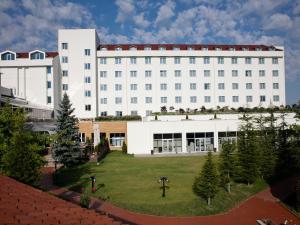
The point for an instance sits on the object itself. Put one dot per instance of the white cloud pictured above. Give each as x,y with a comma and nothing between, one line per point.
140,21
278,21
126,9
165,12
6,4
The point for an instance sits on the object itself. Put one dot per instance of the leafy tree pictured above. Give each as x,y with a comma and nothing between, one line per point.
206,185
66,148
124,148
227,164
20,149
248,160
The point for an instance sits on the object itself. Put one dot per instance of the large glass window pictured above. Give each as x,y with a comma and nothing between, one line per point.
8,56
167,143
37,55
230,136
200,142
117,139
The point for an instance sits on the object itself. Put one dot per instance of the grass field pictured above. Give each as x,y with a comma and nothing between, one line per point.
132,183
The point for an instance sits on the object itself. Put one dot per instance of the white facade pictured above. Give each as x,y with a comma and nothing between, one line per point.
33,77
207,133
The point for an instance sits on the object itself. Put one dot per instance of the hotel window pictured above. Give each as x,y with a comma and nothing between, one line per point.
103,49
200,142
248,98
193,86
262,86
177,73
162,48
87,80
103,113
262,98
134,113
87,93
117,139
245,49
248,86
190,48
231,49
204,48
275,86
206,60
235,86
234,60
206,86
163,87
218,49
163,60
119,113
163,73
64,45
48,69
132,60
103,74
147,48
207,73
192,60
82,137
177,86
177,99
166,143
87,66
65,87
133,87
103,87
148,100
176,48
118,87
102,60
207,99
133,100
276,98
40,55
118,60
248,60
163,99
49,99
148,73
148,87
193,99
192,73
274,60
8,56
132,48
48,84
64,59
148,112
221,86
177,60
220,60
220,73
261,60
147,60
235,98
103,101
262,73
88,107
221,98
275,73
248,73
118,74
118,49
234,73
87,52
65,73
133,73
118,100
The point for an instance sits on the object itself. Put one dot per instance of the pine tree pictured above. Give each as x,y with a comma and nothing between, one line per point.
66,148
206,185
227,164
248,160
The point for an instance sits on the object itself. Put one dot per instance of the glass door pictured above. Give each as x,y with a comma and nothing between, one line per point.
167,145
200,144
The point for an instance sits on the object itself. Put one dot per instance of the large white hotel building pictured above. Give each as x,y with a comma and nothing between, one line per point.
138,79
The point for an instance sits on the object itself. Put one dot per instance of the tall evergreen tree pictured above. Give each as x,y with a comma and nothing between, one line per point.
206,185
248,160
66,148
227,164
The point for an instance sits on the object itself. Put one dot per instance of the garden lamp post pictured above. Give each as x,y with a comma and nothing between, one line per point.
93,180
163,180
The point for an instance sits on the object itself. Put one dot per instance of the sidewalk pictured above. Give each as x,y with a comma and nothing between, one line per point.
260,206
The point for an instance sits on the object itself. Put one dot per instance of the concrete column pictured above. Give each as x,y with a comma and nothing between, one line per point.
184,142
96,129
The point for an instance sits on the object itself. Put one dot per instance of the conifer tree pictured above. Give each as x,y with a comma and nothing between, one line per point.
227,164
66,148
248,160
206,185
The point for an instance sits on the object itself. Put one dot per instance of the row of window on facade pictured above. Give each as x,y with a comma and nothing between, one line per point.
36,55
115,139
191,60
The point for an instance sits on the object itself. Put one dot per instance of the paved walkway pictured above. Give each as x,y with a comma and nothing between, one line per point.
263,205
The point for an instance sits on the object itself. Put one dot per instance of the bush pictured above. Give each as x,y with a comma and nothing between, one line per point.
85,200
124,148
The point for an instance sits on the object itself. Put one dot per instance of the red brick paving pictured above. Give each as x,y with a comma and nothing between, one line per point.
260,206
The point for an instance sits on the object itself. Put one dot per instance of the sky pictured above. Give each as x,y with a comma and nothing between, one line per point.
33,24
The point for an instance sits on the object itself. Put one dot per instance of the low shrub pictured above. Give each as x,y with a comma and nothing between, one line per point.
85,200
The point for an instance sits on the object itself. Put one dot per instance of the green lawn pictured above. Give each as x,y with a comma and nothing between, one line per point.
132,183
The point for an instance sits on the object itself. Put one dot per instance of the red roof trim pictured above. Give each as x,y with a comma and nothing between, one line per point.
26,54
112,47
